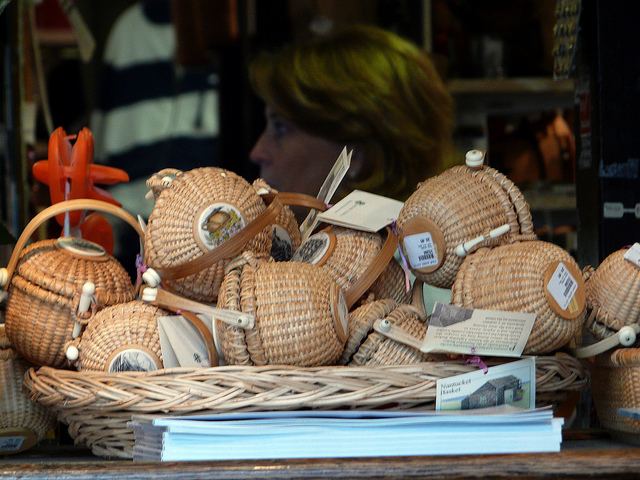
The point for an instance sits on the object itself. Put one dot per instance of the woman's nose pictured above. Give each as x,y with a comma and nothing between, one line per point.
259,151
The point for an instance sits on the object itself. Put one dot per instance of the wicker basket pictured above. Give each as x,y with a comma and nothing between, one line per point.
615,383
23,423
613,295
519,277
97,406
360,262
464,204
300,314
42,312
201,219
121,337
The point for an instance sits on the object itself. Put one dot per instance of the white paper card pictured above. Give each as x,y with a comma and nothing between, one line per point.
454,329
633,254
11,444
562,286
363,211
421,252
328,188
512,383
181,343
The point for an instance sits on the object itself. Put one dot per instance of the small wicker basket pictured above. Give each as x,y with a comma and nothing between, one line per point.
118,338
449,215
615,384
23,423
521,277
613,295
360,262
300,314
201,219
42,311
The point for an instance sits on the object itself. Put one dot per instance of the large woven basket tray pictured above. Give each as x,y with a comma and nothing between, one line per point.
615,383
97,405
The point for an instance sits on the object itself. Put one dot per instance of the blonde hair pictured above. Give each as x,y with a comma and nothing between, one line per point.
369,89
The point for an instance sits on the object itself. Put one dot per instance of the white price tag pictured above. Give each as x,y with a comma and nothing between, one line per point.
421,251
633,254
11,444
562,286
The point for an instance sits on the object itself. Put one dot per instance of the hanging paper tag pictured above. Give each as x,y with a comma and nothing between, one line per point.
633,254
513,383
454,329
562,286
181,343
363,211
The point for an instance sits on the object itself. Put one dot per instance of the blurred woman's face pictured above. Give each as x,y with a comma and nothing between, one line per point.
290,159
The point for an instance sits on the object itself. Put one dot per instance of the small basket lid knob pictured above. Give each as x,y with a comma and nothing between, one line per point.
474,158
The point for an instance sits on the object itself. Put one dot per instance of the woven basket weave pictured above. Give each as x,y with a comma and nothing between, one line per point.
615,383
22,421
360,262
97,406
516,277
121,337
46,286
300,314
613,295
194,213
455,207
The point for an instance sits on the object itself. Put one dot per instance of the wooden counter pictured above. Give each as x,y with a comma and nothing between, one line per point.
584,455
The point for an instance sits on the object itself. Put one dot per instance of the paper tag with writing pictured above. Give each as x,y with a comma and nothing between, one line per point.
11,444
512,383
363,211
562,286
421,251
633,254
454,329
328,188
181,343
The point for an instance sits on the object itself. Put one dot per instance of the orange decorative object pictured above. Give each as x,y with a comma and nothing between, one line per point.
96,228
71,174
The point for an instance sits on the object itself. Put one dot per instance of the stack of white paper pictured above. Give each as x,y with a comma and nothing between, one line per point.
314,434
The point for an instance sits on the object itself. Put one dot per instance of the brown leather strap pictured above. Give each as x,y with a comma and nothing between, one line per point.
226,249
300,200
62,207
374,269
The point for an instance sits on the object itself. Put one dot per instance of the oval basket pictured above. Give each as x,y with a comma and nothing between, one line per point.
121,337
520,277
455,207
97,406
46,282
613,295
197,212
23,423
300,314
615,384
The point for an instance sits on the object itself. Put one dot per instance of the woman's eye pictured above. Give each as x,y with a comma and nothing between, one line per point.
278,128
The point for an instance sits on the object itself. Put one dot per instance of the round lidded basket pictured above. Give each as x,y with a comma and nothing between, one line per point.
122,337
45,281
613,295
367,346
23,423
301,317
532,277
467,206
356,260
195,213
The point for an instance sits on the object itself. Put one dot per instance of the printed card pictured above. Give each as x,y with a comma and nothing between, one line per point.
454,329
363,211
633,254
513,384
328,188
181,343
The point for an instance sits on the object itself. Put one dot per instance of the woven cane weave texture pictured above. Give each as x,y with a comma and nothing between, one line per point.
613,295
45,292
512,278
97,405
172,236
464,203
